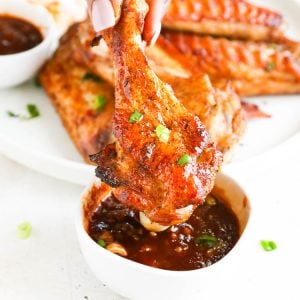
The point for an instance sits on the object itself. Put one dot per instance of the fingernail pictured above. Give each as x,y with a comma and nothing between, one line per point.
155,36
103,15
166,5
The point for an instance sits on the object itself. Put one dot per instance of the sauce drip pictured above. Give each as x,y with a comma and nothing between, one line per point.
209,234
17,35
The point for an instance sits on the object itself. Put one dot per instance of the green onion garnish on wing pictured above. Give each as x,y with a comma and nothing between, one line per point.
163,133
135,117
91,77
99,103
184,159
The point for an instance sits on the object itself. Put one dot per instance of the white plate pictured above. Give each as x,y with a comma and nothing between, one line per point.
43,145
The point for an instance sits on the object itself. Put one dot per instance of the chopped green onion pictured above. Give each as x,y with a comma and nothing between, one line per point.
210,200
99,103
207,241
101,243
270,66
184,159
91,76
24,230
163,133
32,110
135,117
268,245
12,114
274,46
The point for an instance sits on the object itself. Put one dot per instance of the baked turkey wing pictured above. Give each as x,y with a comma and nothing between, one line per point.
84,102
231,18
254,68
163,159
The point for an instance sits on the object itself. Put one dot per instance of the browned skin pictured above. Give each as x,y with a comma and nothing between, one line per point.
219,109
232,18
73,98
254,68
142,168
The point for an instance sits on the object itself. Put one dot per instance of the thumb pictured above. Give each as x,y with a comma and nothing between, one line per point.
104,13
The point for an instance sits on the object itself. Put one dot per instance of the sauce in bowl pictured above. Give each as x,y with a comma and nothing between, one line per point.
209,234
17,35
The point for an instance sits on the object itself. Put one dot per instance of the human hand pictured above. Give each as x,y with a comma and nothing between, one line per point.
103,15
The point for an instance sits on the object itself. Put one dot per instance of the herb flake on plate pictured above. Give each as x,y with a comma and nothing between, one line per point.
24,230
32,110
268,245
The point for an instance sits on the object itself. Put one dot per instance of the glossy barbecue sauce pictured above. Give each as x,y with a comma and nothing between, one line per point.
17,35
209,234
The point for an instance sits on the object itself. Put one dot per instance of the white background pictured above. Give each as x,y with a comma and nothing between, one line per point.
49,266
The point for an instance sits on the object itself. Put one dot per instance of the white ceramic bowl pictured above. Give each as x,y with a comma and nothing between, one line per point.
140,282
19,67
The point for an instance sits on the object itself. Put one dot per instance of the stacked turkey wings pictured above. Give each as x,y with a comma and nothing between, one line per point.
219,109
209,52
74,92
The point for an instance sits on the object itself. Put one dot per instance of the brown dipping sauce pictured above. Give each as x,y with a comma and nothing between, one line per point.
209,234
17,35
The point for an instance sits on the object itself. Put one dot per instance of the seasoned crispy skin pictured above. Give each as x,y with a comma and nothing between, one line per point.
73,97
254,68
219,109
144,169
231,18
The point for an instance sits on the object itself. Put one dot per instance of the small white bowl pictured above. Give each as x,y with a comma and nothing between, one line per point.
140,282
19,67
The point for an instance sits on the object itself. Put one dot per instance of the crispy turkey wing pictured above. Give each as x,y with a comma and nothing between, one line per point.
254,68
145,168
232,18
73,91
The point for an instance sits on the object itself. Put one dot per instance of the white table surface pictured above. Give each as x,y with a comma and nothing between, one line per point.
49,264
